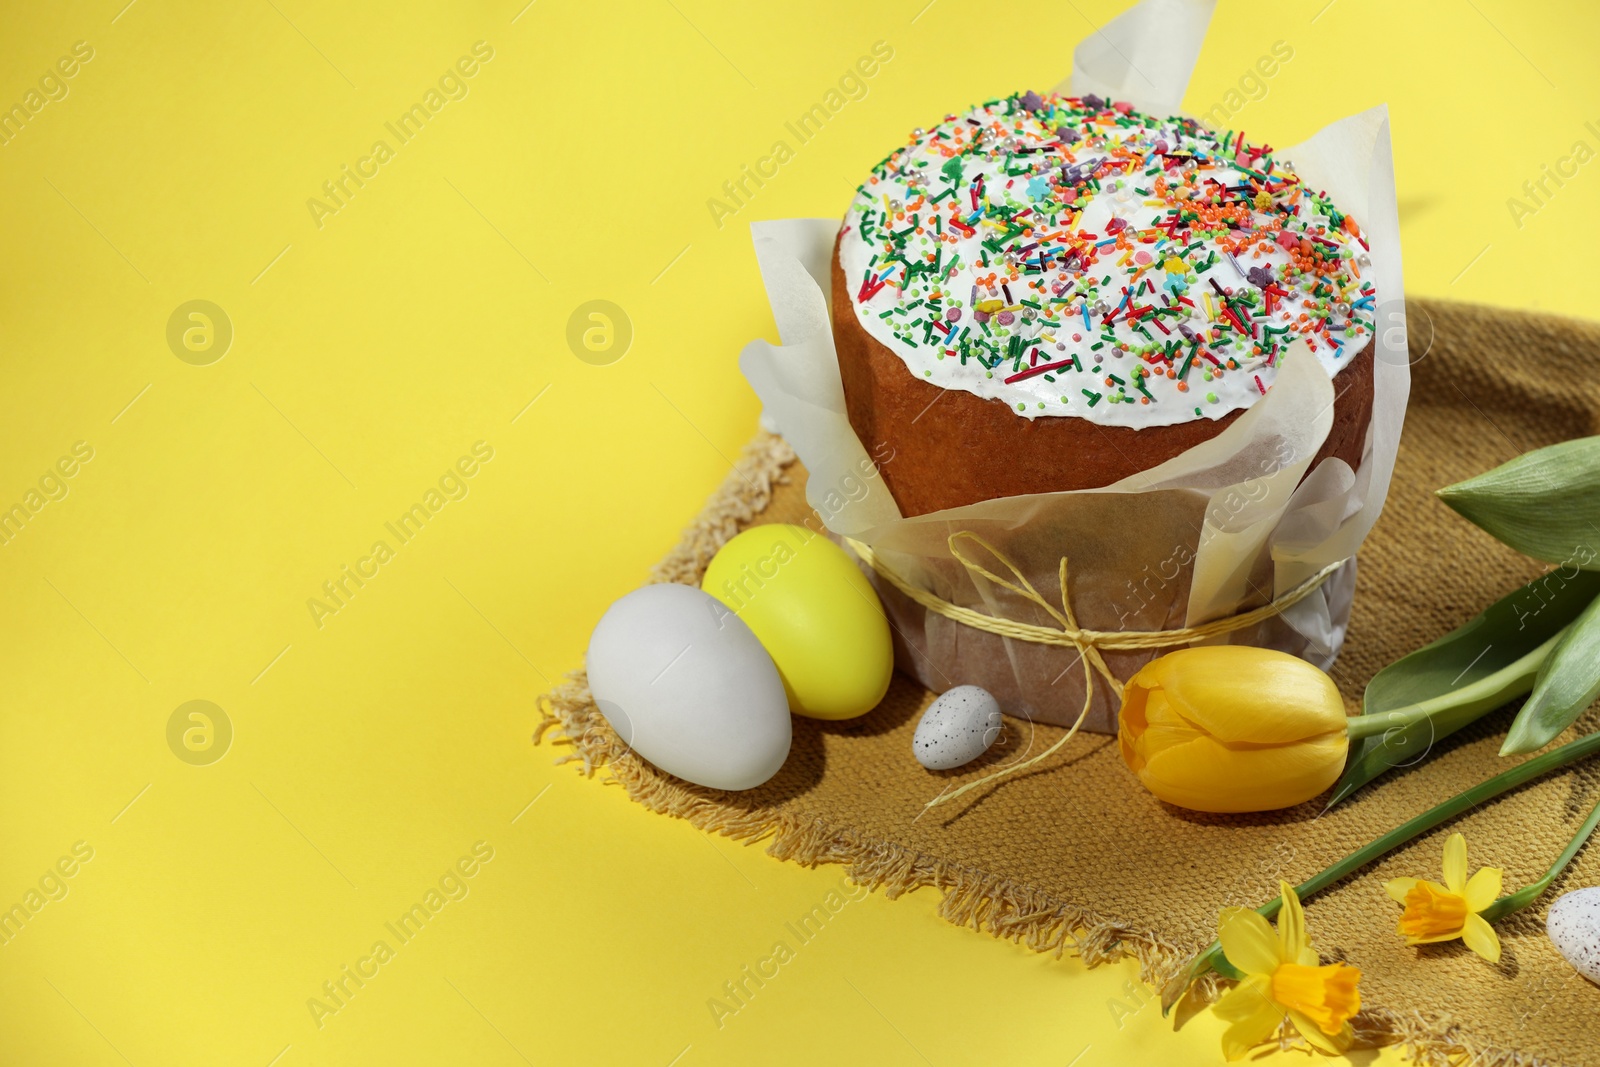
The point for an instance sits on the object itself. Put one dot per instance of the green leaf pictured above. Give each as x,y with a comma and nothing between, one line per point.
1224,966
1470,671
1568,682
1545,504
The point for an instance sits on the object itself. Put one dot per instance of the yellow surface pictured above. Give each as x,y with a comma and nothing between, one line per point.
372,747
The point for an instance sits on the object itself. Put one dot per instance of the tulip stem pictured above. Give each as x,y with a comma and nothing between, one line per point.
1456,805
1360,726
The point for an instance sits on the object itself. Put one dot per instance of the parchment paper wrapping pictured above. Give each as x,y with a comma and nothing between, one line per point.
1226,526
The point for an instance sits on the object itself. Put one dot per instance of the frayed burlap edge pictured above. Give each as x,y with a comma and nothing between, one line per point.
970,897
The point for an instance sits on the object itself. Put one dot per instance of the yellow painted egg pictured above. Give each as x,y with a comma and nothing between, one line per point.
815,613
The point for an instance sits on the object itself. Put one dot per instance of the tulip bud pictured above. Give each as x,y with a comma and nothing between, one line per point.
1229,728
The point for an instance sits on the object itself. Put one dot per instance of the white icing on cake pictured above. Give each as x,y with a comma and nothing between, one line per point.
1153,225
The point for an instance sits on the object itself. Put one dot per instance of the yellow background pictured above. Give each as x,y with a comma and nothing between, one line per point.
372,351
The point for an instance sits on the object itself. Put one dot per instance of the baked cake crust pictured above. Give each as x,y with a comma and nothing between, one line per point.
1049,293
948,448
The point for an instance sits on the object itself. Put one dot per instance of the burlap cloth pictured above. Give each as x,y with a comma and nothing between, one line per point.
1075,855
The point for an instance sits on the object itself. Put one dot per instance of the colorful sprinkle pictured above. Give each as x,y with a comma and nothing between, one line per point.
1187,254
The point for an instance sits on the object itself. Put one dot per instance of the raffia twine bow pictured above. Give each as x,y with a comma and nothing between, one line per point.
1066,633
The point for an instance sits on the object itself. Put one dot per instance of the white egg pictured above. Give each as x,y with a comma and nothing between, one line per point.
957,728
686,684
1573,924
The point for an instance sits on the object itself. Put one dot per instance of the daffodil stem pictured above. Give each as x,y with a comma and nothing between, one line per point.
1534,890
1461,802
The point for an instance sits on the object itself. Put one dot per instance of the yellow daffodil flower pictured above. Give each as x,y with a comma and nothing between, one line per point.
1282,980
1437,912
1233,728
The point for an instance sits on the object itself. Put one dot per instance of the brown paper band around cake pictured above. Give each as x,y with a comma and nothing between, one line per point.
1067,633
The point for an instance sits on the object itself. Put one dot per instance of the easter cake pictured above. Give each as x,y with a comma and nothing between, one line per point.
1052,293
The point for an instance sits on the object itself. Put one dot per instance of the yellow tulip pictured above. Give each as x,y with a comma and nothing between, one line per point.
1229,728
1283,981
1437,912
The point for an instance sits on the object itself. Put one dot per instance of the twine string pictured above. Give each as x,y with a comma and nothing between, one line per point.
1066,633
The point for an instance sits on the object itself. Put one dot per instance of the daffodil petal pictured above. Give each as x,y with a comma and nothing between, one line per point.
1248,941
1291,925
1241,1037
1333,1044
1252,1014
1483,888
1397,888
1244,1000
1455,864
1481,938
1433,939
